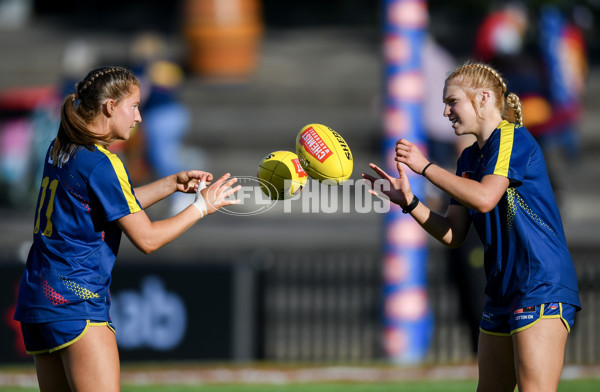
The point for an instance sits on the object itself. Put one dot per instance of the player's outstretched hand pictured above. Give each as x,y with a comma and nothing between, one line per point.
396,189
216,195
188,181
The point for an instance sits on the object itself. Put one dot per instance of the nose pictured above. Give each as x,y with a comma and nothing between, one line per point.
446,110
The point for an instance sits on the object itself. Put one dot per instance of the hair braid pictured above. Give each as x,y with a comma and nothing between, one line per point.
81,108
494,73
477,76
86,83
514,103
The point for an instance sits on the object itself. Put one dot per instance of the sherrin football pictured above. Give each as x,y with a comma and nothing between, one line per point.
324,154
281,175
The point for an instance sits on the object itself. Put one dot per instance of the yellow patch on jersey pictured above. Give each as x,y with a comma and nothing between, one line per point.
507,136
123,179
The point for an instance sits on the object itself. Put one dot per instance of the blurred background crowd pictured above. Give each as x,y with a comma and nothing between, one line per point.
543,48
224,82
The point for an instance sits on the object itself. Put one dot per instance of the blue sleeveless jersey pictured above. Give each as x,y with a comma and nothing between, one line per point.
527,261
75,238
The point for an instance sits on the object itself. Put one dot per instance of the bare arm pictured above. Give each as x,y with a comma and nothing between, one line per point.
479,196
149,236
451,229
186,181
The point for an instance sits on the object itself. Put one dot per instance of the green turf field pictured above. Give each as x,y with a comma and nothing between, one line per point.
421,386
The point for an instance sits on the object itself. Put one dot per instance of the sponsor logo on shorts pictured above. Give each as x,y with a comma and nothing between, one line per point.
524,317
529,309
524,313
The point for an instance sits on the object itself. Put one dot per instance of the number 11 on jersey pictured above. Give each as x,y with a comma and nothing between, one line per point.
53,185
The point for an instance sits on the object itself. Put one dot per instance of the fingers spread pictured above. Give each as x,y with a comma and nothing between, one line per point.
380,171
222,179
369,178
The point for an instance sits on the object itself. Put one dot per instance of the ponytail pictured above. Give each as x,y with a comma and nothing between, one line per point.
513,106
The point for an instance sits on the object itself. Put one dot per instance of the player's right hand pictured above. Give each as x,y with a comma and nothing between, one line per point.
216,195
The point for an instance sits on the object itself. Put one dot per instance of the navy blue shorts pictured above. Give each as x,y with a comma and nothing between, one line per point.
45,338
506,324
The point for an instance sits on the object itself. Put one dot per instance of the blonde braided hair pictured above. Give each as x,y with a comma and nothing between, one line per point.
513,103
476,76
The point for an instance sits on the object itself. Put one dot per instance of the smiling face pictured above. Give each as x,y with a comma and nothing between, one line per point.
125,115
460,110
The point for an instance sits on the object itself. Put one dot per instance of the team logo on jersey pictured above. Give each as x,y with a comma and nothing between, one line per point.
468,174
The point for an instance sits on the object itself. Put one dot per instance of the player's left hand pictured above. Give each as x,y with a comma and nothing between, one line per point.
396,189
188,181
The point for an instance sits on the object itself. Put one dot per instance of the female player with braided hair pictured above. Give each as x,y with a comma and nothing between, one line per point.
501,186
86,201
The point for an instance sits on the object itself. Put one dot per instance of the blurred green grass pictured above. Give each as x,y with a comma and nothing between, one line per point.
413,386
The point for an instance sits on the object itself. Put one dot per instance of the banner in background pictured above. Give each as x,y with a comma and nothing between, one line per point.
161,311
407,317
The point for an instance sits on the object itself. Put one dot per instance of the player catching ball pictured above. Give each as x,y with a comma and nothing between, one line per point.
501,186
85,202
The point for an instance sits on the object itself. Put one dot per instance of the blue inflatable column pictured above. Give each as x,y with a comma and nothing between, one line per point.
407,316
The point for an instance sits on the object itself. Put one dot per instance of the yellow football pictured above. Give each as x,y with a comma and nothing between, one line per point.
324,154
281,175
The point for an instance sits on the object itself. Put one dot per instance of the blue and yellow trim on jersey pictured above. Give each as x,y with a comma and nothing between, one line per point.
507,138
123,178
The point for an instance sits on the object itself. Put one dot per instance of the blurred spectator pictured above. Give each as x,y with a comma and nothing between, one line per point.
501,32
79,56
166,120
29,118
547,72
15,14
563,51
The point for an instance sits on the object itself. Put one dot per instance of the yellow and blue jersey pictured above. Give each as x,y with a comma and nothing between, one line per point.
527,261
75,237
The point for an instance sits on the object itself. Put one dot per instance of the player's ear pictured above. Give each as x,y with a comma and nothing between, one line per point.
485,97
109,107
